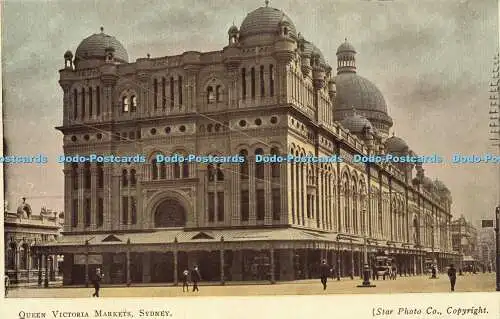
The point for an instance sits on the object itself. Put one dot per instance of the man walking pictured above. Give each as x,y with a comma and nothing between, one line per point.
324,272
452,274
195,277
185,275
7,284
97,282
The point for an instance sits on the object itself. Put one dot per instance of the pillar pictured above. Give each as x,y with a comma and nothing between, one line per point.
28,263
46,283
128,267
176,267
40,263
221,256
271,252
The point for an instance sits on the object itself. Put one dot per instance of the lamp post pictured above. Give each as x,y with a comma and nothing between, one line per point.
366,267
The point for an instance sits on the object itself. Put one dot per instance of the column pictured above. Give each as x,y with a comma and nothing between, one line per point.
93,196
176,267
16,263
107,197
251,189
81,198
271,252
268,217
221,258
68,189
40,264
28,262
129,281
46,283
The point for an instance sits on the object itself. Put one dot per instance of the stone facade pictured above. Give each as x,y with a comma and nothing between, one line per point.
269,91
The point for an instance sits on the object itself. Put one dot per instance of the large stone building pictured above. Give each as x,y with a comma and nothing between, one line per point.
23,230
269,91
464,240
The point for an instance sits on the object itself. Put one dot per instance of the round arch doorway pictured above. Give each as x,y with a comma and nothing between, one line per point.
170,213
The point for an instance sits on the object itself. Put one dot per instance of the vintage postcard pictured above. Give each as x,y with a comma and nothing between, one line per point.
256,155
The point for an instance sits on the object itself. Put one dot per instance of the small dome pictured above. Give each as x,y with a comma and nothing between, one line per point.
68,54
94,47
356,123
265,20
233,29
395,144
346,47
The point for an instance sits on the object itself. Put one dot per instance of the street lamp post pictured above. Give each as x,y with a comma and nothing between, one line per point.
366,267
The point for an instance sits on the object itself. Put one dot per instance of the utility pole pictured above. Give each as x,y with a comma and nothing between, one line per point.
495,138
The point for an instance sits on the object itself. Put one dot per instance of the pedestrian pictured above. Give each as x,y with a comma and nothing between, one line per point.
394,272
185,276
195,277
324,272
97,282
452,275
7,284
433,271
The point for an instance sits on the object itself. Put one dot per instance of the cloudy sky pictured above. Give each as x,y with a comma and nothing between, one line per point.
431,59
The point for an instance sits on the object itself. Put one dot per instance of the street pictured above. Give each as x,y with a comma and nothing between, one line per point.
416,284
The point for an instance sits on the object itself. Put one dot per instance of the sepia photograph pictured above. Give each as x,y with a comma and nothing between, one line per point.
251,148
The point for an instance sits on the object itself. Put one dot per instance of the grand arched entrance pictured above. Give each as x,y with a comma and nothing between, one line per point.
170,213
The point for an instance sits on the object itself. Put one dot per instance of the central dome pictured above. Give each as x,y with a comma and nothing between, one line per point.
354,90
94,47
265,20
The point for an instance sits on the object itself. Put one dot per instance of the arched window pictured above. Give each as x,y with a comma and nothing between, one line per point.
163,170
262,86
218,96
354,209
98,100
243,83
154,169
179,88
163,93
271,80
83,103
75,104
210,95
100,175
74,175
244,165
125,104
211,173
172,94
23,258
90,100
124,178
133,178
185,170
11,257
220,174
252,82
259,167
346,206
88,176
155,93
133,100
177,170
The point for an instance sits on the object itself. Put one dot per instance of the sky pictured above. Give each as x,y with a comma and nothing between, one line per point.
432,60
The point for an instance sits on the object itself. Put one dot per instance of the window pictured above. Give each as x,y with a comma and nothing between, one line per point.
98,100
155,94
262,87
259,167
185,170
163,93
276,203
90,101
124,178
210,95
163,171
211,206
75,104
172,95
179,85
260,204
124,210
309,200
220,174
125,104
211,173
177,170
271,80
154,169
275,167
244,165
252,82
133,179
74,173
88,176
100,212
220,206
83,103
244,208
133,210
243,83
100,175
218,93
88,209
133,100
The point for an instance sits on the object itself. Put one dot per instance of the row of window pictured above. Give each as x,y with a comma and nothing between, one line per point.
253,79
87,93
163,86
260,204
159,171
259,167
87,212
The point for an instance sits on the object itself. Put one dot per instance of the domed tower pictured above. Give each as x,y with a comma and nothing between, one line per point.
233,35
353,89
97,49
397,146
360,126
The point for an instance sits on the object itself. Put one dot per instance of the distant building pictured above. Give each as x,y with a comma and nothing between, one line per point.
486,249
22,230
464,240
